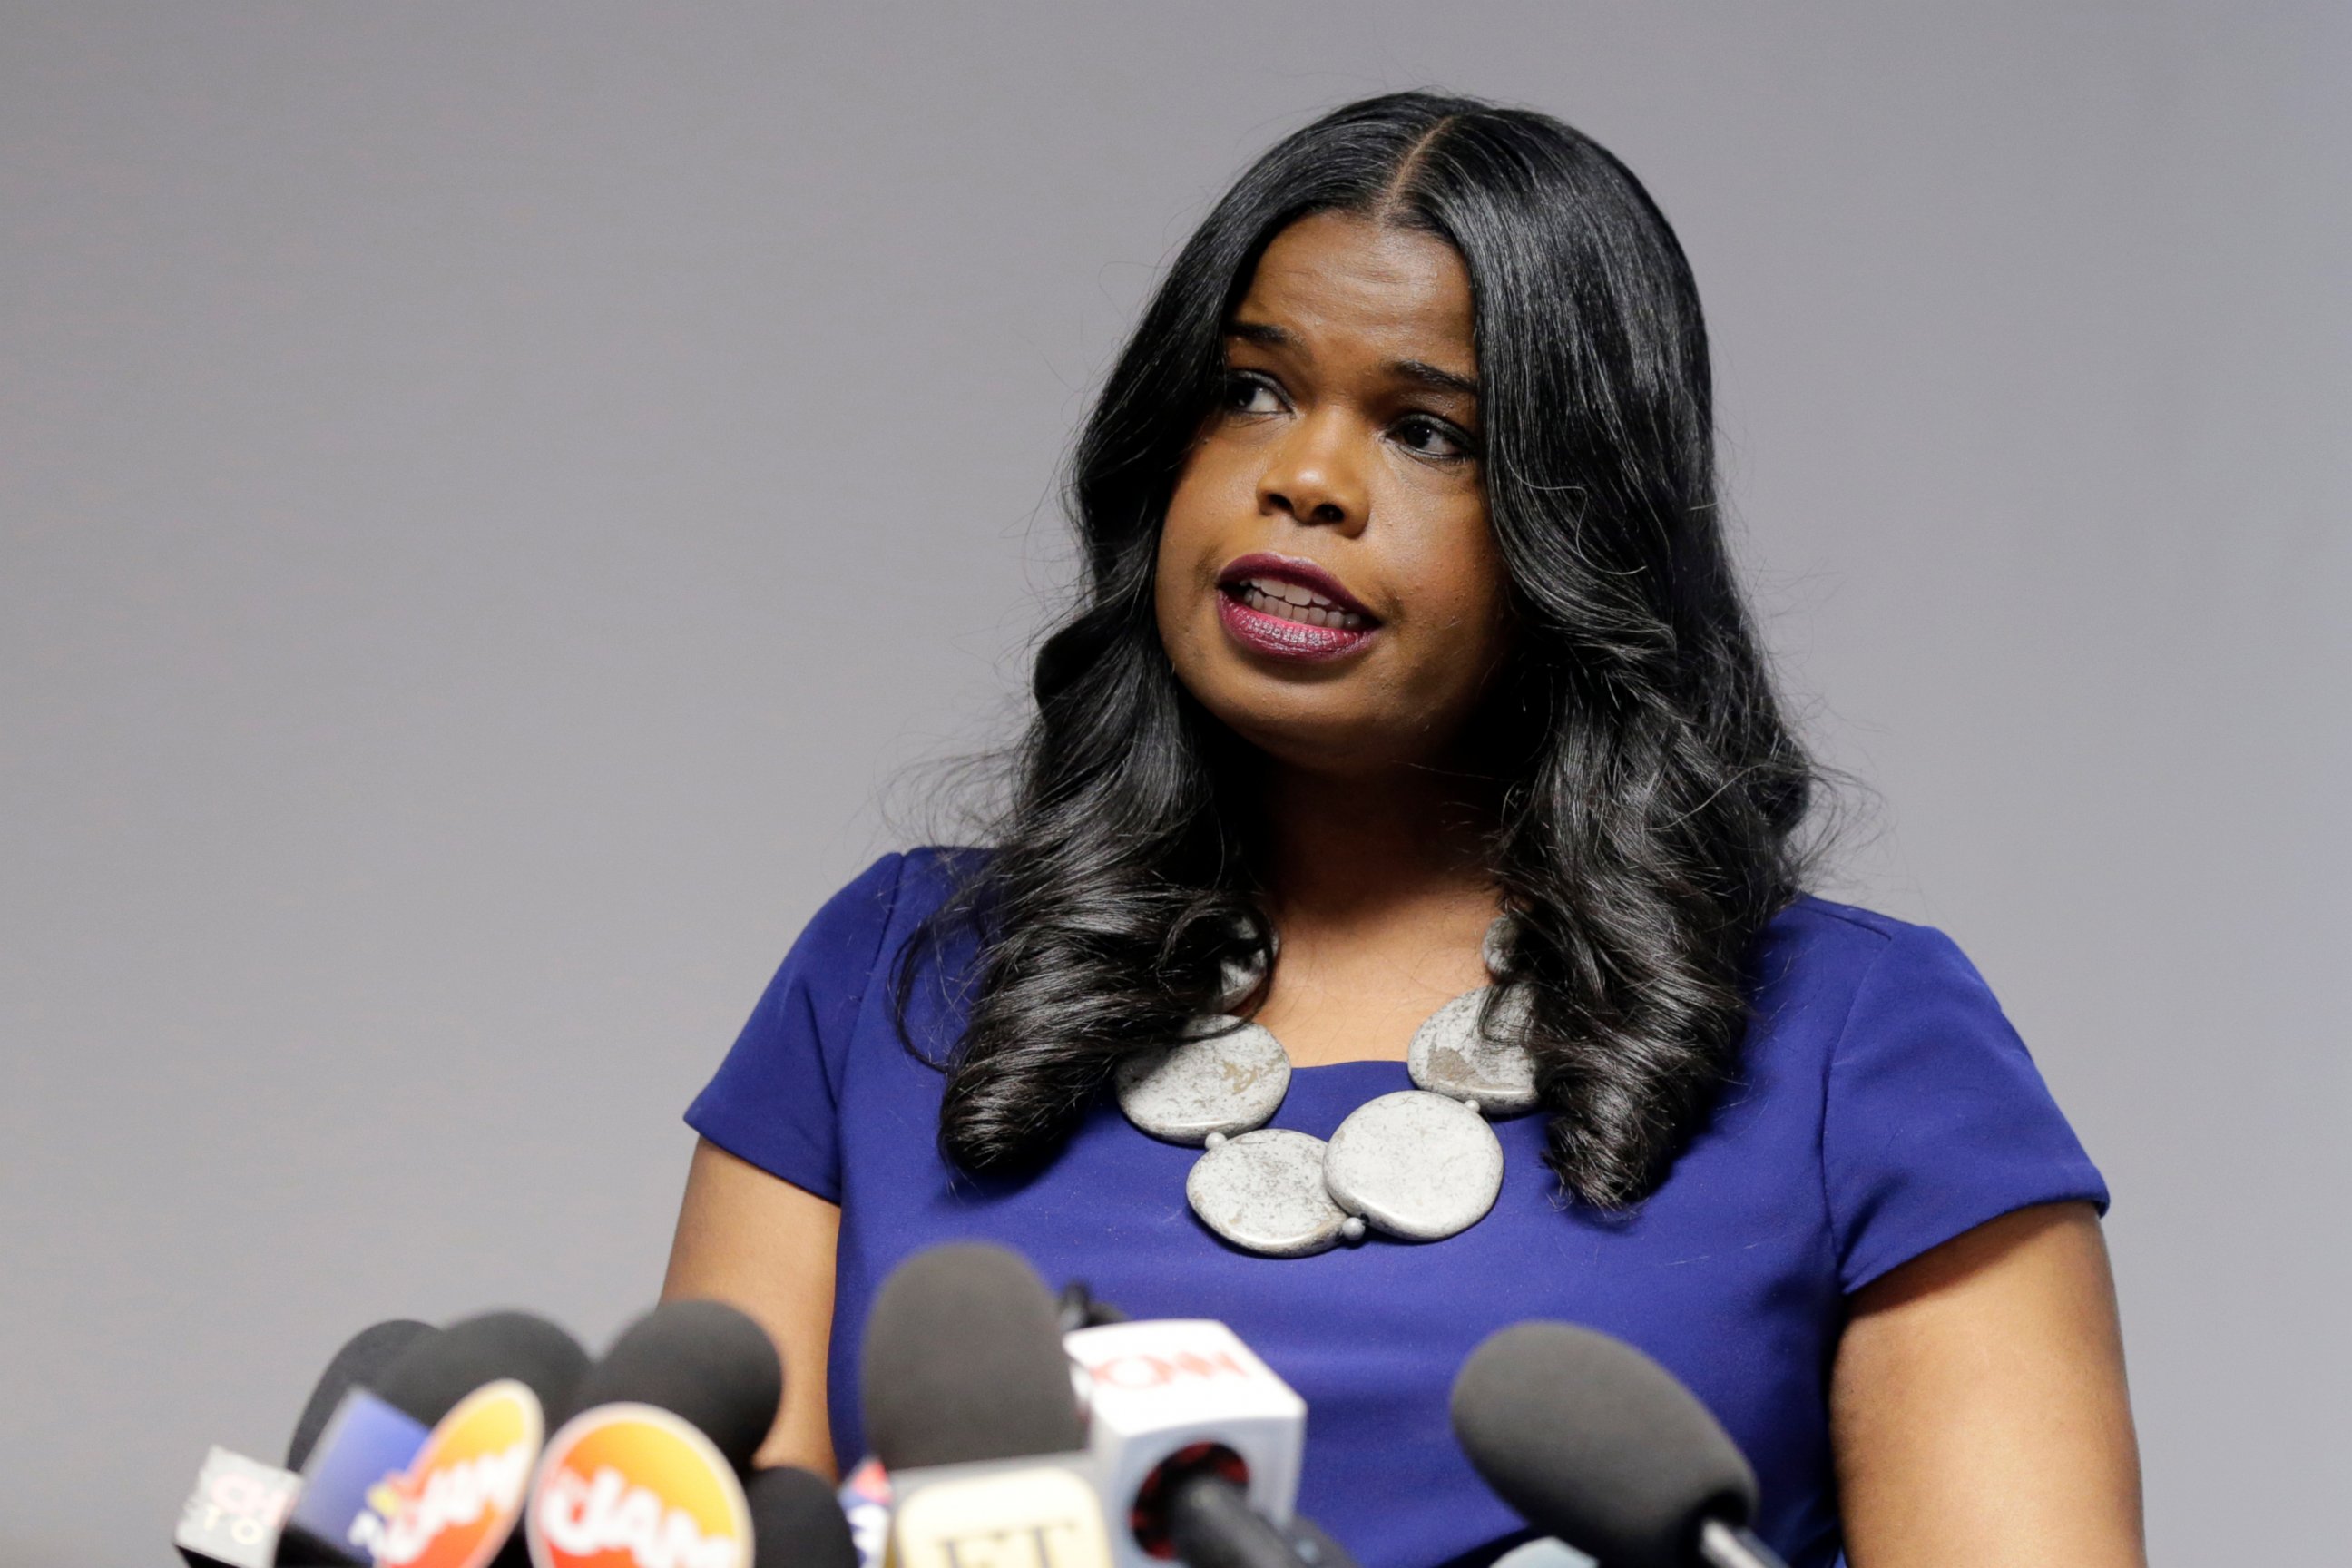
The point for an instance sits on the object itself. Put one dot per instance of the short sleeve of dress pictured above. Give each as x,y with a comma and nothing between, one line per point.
1935,1118
772,1102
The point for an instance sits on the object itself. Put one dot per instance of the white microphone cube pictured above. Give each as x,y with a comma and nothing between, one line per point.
1156,1388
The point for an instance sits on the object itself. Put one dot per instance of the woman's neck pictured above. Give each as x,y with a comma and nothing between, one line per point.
1341,849
1379,889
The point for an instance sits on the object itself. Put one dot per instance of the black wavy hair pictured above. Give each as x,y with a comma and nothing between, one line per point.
1651,790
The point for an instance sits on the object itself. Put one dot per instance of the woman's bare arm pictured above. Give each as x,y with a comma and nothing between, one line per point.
765,1246
1978,1404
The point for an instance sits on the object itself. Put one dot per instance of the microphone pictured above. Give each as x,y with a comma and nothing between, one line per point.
702,1361
485,1386
969,1406
365,1444
1197,1444
363,1358
796,1521
431,1378
235,1512
963,1362
347,1441
243,1513
646,1470
1587,1438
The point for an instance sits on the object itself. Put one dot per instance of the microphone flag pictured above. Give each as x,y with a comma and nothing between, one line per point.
1037,1512
633,1486
235,1512
459,1498
366,1443
1169,1396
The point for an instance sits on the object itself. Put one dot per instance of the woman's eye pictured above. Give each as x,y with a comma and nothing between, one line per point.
1429,437
1251,395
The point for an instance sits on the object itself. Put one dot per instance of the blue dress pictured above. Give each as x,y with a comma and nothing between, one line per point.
1883,1106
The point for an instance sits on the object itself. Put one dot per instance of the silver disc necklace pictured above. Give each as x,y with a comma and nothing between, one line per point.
1420,1165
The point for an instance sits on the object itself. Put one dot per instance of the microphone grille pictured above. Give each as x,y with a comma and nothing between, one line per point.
963,1362
1592,1440
360,1364
796,1521
428,1378
703,1362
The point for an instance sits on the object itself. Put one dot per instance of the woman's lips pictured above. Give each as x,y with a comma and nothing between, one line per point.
1278,637
1288,608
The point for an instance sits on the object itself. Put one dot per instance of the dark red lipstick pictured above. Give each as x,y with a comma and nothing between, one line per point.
1284,607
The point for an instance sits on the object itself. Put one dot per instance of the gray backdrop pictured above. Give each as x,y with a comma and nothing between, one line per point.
492,496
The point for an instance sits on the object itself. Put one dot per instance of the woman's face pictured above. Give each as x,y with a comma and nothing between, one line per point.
1328,585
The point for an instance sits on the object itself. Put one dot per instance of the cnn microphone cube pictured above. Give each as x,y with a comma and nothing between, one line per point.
1156,1388
233,1518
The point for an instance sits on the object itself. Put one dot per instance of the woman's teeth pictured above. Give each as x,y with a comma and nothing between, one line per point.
1289,601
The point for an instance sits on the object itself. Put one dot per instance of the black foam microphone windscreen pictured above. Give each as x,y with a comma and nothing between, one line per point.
796,1521
963,1362
1592,1440
703,1361
429,1377
361,1362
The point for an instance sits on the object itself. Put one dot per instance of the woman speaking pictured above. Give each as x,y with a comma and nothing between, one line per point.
1398,926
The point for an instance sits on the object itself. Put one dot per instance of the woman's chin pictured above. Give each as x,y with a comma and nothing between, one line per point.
1326,742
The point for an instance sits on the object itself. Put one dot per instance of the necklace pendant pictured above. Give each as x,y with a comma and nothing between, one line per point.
1450,1054
1416,1166
1225,1082
1264,1191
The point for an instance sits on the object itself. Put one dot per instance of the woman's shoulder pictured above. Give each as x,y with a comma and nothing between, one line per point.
933,872
1928,1113
1831,940
1834,974
1832,927
776,1098
881,907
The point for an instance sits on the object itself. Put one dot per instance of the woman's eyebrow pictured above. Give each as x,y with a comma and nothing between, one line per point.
1266,334
1437,380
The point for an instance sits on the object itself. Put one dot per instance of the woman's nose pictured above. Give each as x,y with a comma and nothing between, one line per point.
1314,478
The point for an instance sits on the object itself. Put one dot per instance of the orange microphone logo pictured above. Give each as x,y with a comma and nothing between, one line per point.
462,1494
632,1485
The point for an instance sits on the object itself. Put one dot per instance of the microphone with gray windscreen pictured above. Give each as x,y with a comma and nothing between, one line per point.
963,1362
434,1373
971,1407
704,1362
796,1521
362,1359
1587,1438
